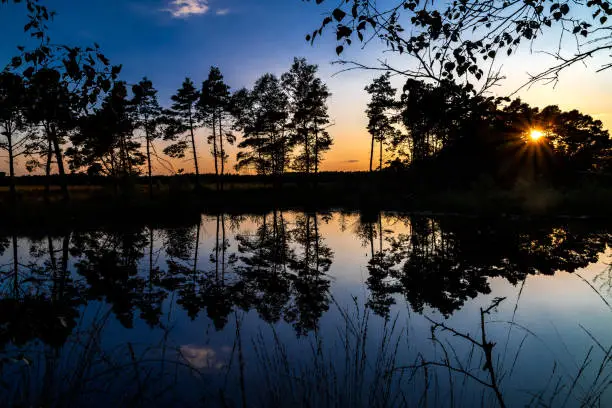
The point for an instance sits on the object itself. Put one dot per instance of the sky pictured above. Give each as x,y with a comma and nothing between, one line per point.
168,40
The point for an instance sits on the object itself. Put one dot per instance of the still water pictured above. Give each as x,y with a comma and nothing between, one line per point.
304,309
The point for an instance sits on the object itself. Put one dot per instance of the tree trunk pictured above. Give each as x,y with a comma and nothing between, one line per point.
149,167
380,232
9,138
381,154
197,247
215,150
195,153
223,248
316,152
65,259
217,252
150,259
48,171
222,151
15,267
371,153
307,152
60,168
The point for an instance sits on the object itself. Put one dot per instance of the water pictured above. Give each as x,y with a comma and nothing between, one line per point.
295,309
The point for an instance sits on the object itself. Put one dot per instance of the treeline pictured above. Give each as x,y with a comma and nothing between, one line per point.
67,108
111,129
449,134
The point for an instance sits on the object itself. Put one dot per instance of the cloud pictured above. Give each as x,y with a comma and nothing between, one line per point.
222,12
351,161
186,8
201,357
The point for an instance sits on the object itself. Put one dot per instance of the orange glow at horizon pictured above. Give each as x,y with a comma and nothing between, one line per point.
535,135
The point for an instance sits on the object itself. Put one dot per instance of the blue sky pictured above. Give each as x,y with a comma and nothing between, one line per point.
167,40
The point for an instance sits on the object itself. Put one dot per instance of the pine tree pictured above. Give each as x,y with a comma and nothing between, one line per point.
213,108
149,118
380,122
308,106
184,120
11,121
261,115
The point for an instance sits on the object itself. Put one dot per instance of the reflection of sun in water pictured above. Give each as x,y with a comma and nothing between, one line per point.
536,135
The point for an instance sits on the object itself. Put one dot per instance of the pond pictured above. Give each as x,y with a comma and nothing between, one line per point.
308,309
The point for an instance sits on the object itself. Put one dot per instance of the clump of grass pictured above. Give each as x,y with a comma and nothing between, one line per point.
364,379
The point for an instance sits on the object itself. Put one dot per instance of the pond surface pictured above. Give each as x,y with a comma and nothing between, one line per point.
303,309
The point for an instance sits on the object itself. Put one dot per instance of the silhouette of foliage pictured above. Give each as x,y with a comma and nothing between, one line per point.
441,264
184,111
105,141
261,114
307,96
149,119
450,40
381,116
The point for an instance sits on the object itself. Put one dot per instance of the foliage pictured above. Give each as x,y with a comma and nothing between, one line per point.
105,141
149,119
183,114
462,39
261,114
308,121
380,114
213,108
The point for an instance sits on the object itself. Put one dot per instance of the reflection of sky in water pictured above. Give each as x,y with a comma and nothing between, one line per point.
543,330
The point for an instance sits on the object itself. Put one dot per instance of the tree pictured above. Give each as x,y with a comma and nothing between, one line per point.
214,105
454,39
11,121
104,142
55,108
380,124
308,109
184,114
148,119
261,115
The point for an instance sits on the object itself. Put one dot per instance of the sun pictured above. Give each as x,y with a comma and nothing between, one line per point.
536,135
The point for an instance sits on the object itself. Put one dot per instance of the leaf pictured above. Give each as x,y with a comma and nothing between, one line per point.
338,14
564,8
28,72
339,49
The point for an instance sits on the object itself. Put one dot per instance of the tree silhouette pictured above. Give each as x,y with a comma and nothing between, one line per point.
261,115
185,119
310,280
308,114
264,258
380,114
104,142
12,122
443,263
108,260
453,40
53,106
148,119
214,106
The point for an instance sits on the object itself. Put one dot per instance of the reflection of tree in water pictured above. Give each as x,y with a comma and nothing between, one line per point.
310,281
39,299
441,264
108,260
264,257
284,271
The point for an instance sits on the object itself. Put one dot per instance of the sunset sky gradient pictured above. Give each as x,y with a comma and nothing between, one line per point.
167,40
